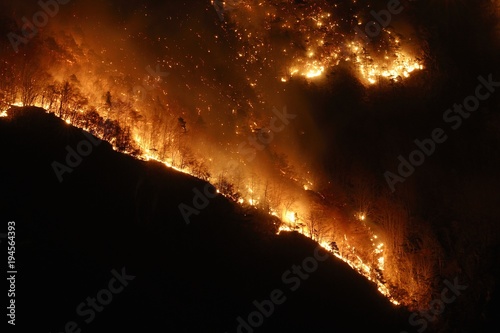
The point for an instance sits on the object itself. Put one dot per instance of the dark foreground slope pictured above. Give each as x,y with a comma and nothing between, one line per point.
114,212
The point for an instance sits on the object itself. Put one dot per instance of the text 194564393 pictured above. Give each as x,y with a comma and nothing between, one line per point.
11,271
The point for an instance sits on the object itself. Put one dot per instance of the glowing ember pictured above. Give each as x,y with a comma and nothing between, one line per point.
398,69
309,70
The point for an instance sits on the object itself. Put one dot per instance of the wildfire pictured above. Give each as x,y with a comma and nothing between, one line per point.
398,69
290,222
309,70
315,72
151,157
3,113
348,254
313,40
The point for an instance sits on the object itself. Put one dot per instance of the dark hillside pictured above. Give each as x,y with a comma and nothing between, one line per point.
114,211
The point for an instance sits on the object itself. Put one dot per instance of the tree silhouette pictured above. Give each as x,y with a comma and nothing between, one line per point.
182,123
108,102
66,94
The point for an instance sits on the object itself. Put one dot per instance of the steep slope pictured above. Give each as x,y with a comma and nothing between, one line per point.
115,212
